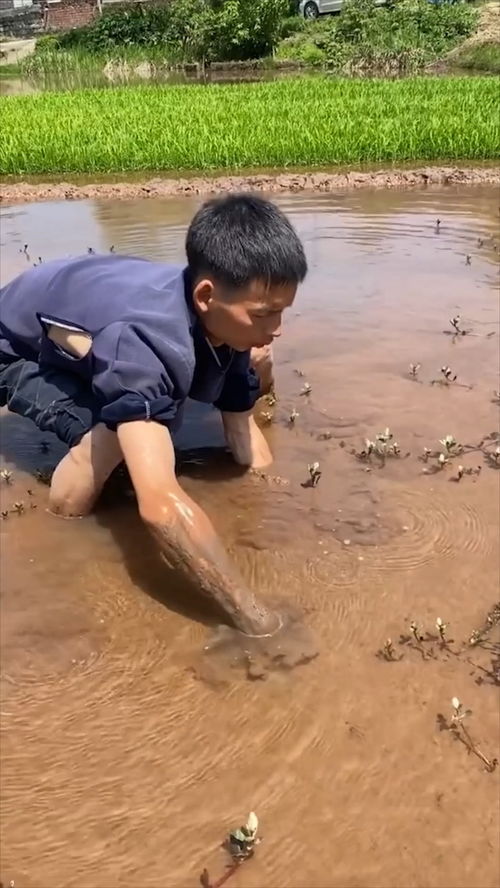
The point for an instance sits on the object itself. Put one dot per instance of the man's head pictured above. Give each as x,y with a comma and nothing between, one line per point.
246,262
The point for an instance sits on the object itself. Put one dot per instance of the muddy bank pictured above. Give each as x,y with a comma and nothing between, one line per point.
27,192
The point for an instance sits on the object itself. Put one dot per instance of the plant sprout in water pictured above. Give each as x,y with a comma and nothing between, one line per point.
314,474
306,389
6,476
415,631
267,417
441,628
414,368
448,374
468,259
271,398
449,443
293,416
241,844
457,726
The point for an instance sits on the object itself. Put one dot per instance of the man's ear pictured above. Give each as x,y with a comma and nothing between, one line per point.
203,294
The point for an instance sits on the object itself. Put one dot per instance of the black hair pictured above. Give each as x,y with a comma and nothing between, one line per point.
240,238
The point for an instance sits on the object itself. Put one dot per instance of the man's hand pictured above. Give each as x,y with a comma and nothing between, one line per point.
186,537
246,441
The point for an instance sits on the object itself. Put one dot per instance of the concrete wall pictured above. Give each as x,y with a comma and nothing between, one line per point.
21,22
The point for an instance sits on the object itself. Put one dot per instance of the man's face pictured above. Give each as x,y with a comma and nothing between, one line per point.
245,318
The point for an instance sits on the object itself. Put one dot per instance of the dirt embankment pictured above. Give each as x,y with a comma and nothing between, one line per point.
488,30
26,192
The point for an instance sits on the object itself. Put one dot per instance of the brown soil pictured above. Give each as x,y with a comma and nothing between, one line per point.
488,30
126,755
27,192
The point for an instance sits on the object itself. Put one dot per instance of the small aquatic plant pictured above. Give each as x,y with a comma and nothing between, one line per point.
468,259
293,416
455,323
306,389
441,628
448,374
314,474
387,652
271,398
458,728
44,476
267,417
449,443
415,631
414,368
240,844
18,508
6,476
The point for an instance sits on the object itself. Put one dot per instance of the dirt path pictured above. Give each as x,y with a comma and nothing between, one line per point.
28,192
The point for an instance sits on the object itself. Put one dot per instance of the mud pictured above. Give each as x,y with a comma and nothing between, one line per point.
125,760
324,182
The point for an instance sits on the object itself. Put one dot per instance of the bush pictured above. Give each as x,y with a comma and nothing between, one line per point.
400,37
293,24
188,30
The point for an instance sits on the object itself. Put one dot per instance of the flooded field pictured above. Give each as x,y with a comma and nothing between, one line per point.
121,766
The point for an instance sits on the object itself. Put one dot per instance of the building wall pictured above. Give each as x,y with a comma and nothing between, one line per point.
62,15
45,17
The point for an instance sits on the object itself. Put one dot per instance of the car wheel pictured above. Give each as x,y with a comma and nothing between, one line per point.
311,11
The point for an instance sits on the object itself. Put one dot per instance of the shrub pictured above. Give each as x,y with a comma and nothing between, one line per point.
189,30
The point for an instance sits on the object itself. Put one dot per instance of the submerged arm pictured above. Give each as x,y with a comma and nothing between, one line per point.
246,441
185,536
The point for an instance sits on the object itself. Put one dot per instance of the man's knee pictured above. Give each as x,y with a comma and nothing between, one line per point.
261,359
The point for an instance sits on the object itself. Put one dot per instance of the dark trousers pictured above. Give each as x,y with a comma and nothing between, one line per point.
54,400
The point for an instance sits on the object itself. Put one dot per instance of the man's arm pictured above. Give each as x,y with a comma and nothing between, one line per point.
185,536
246,441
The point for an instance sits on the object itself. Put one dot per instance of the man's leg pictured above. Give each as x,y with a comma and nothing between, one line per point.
63,403
80,476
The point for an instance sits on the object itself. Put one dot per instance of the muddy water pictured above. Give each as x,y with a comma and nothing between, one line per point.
119,766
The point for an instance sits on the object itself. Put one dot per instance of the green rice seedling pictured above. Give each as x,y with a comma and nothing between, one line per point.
303,121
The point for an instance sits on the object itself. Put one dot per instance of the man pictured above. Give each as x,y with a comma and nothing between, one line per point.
104,350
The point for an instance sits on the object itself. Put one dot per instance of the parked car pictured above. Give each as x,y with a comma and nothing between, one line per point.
311,9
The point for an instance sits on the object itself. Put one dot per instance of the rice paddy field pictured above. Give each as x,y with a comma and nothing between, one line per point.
304,121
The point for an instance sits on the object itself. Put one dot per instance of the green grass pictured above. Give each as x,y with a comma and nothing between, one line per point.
10,69
484,57
304,121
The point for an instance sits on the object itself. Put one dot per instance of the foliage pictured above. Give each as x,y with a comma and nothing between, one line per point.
400,37
187,30
304,121
481,57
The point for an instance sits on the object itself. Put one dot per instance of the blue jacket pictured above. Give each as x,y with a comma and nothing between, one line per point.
149,352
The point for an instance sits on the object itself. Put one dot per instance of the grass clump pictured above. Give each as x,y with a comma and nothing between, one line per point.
483,57
300,122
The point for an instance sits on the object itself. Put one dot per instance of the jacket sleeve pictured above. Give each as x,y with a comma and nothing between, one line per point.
131,377
241,387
